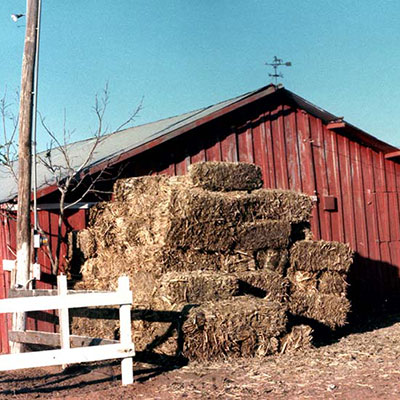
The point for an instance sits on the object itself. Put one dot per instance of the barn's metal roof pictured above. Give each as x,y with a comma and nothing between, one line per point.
123,144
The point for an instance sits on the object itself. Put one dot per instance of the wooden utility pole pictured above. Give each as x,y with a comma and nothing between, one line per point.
25,158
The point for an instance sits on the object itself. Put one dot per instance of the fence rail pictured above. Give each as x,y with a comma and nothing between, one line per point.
63,301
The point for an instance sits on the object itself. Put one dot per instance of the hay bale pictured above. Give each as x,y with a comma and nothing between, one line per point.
236,207
328,309
162,286
263,234
298,338
278,204
108,265
264,284
325,282
176,196
331,282
273,259
214,236
233,328
225,176
197,287
308,255
155,324
129,189
182,260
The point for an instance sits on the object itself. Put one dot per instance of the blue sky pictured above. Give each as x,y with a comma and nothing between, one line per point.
184,54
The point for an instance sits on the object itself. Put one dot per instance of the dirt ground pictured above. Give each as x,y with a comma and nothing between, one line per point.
362,362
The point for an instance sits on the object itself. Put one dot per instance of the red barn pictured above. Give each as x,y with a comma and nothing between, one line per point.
353,177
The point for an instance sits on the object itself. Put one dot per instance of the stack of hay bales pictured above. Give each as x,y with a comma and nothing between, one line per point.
207,255
318,275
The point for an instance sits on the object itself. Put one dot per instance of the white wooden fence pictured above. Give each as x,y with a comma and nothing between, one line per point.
63,301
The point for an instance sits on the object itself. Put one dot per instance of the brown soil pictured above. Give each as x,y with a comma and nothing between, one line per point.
361,365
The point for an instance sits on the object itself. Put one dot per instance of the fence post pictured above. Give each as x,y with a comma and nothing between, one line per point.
63,315
125,332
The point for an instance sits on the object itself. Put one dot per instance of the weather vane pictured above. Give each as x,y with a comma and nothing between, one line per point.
277,62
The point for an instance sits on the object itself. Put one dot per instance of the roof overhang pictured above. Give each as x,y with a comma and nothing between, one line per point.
336,123
394,155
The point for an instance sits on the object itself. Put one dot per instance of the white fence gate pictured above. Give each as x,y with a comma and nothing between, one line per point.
63,301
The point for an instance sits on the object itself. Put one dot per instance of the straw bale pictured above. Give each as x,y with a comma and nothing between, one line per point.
225,176
211,236
328,309
197,287
279,205
273,259
265,284
121,225
97,211
237,261
161,286
299,338
304,280
86,243
320,255
331,282
182,260
108,265
263,234
236,207
233,328
130,188
214,236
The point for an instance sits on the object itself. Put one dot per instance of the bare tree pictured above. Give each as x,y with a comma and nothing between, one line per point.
75,181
